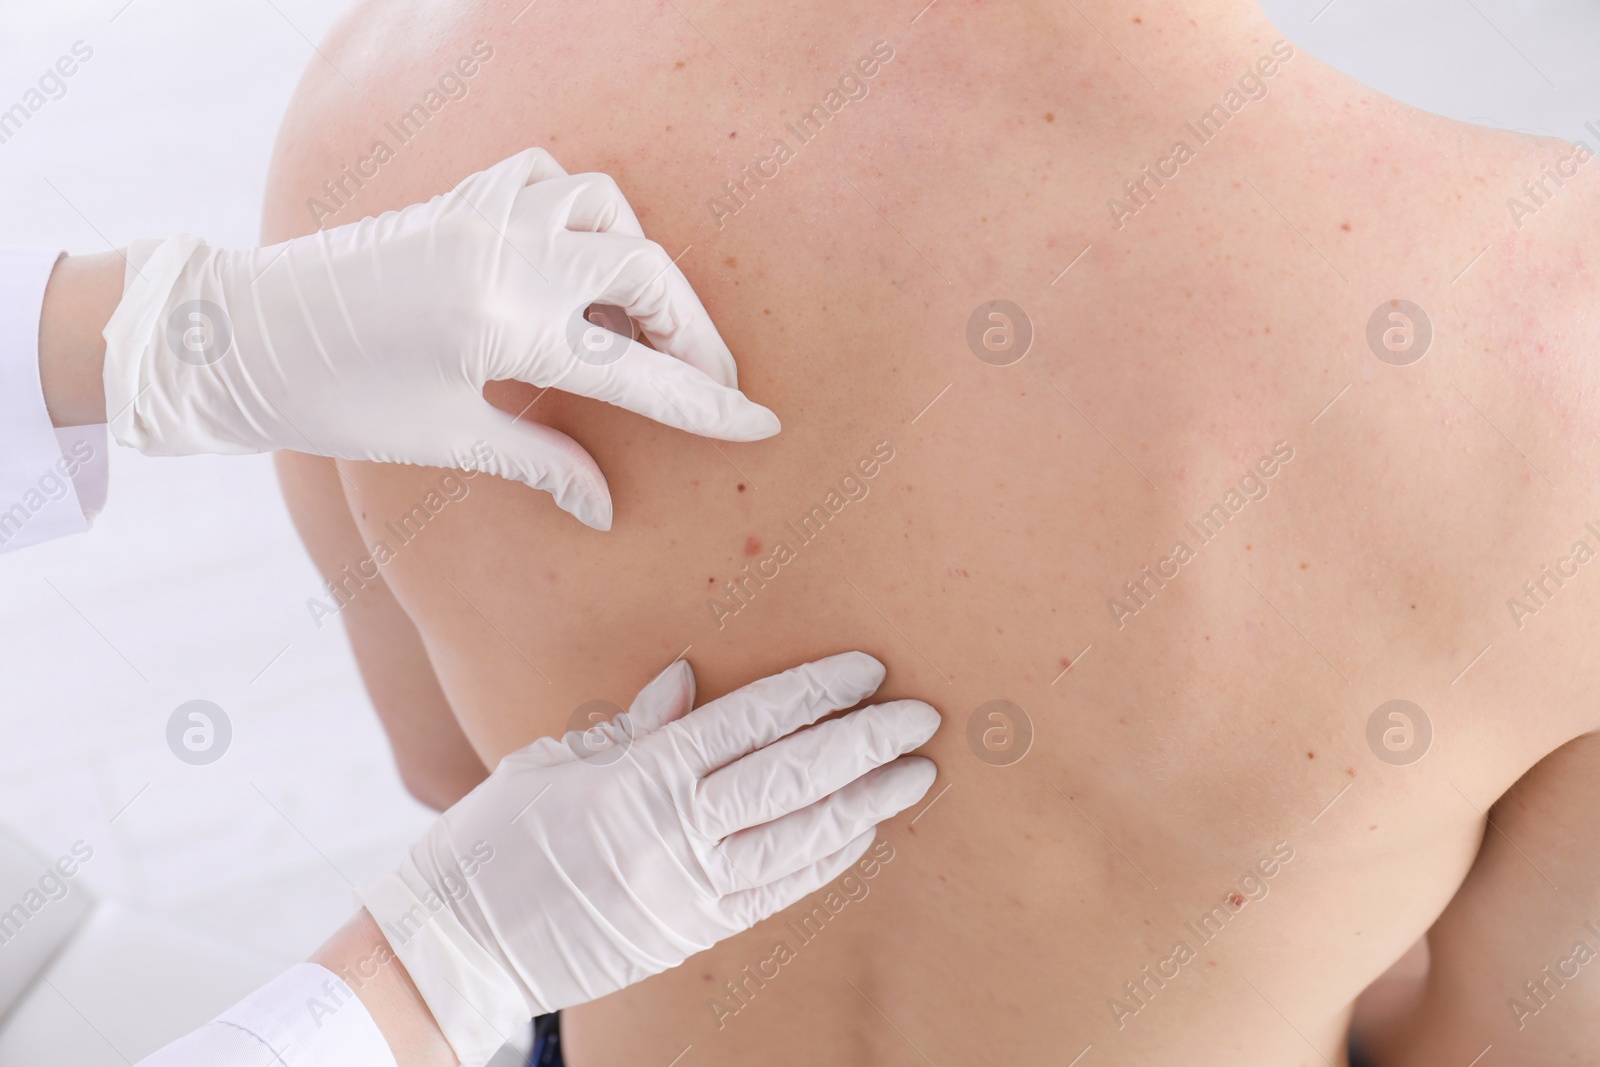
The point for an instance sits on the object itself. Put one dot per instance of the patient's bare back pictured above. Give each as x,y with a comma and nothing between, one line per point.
1145,409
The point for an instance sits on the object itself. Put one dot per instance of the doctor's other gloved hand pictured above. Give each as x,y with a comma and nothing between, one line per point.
374,340
585,864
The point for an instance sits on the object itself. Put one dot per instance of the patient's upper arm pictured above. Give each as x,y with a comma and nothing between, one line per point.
1515,958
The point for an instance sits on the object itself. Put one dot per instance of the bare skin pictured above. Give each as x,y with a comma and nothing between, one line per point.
1208,747
360,955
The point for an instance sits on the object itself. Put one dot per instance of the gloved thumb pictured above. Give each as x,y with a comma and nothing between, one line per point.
545,459
668,697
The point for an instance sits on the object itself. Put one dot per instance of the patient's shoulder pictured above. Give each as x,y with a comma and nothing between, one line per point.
380,114
1528,297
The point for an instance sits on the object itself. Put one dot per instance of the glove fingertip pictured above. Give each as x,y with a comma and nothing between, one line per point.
669,696
854,672
916,776
594,511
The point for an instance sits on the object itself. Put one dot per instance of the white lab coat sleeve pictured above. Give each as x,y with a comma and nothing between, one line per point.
52,482
306,1017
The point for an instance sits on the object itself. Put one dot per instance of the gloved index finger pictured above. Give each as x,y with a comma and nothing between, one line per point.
667,390
762,712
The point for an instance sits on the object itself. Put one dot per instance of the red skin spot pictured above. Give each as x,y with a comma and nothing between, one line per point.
1065,662
752,546
1236,900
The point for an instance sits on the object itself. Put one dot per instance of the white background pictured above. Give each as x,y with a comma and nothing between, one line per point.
192,582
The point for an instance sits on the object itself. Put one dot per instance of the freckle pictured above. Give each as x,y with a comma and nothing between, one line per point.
1304,565
1374,826
1413,607
1247,548
1138,20
711,581
1049,116
1351,771
730,261
1345,227
1311,755
766,311
741,487
911,829
678,65
751,546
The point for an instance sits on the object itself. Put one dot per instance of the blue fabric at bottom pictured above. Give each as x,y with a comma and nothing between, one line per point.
547,1042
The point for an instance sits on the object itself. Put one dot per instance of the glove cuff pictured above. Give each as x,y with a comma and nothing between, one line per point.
135,331
475,1002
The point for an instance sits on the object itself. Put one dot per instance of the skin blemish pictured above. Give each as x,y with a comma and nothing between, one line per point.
741,487
678,65
1311,755
1049,116
752,546
731,261
1304,565
733,135
1236,900
1351,771
1345,227
766,311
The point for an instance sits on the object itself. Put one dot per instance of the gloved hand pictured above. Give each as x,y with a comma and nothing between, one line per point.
583,865
374,340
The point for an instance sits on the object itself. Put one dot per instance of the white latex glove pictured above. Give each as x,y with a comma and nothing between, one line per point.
583,865
374,340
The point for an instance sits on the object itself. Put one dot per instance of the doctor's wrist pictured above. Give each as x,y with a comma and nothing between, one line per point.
78,302
360,955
